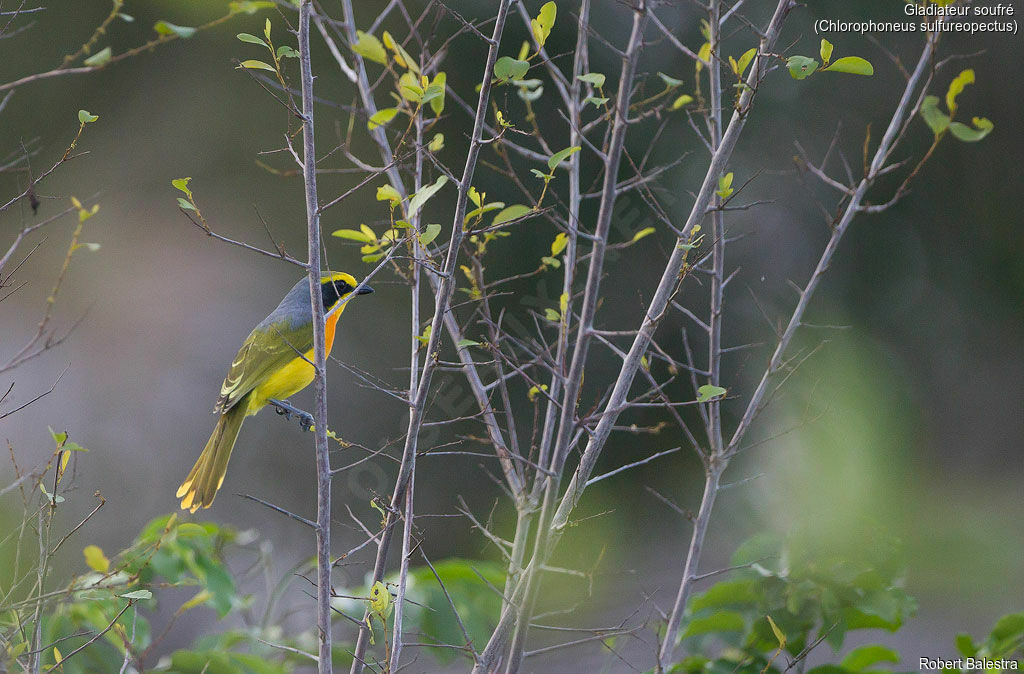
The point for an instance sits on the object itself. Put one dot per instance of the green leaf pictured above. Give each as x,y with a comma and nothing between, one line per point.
381,117
440,81
409,87
559,244
436,143
596,79
670,82
99,58
854,65
86,117
430,233
541,26
402,57
185,204
182,184
510,213
982,127
137,594
287,52
725,186
801,67
956,87
557,158
552,315
936,120
720,621
745,60
250,6
256,64
386,193
463,343
95,558
965,644
708,392
779,634
598,101
424,194
368,46
725,593
863,657
541,174
826,51
168,28
127,18
252,39
1011,625
507,68
549,261
353,235
266,29
486,208
685,99
646,231
372,258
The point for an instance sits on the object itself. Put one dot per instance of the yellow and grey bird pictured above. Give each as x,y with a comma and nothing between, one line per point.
273,364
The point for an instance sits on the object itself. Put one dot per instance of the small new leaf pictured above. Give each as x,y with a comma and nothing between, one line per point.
725,186
507,68
430,233
854,65
826,51
542,24
251,39
137,594
596,79
368,46
424,194
670,82
168,28
381,117
936,120
95,558
707,392
86,117
557,158
685,99
510,213
646,231
256,64
801,67
982,127
99,58
388,193
956,87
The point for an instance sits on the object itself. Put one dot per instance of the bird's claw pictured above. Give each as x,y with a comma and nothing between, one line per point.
287,410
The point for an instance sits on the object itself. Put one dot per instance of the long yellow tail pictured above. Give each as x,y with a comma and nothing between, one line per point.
200,487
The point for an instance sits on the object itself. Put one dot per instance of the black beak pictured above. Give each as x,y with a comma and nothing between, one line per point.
365,290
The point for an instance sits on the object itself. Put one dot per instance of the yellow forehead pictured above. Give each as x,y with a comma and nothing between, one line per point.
329,277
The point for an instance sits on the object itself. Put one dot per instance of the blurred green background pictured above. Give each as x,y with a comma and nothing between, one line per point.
911,420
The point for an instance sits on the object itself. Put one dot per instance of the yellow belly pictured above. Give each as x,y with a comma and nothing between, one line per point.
284,383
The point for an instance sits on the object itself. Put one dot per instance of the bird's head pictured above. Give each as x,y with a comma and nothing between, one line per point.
336,286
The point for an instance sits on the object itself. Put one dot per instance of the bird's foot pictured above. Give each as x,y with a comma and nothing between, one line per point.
287,409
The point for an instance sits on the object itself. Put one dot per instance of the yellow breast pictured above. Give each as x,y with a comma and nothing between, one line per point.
293,377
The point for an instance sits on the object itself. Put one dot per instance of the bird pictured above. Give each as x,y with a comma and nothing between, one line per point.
274,363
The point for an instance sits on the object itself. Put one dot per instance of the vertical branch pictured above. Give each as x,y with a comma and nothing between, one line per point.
717,231
323,458
414,373
441,307
714,466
